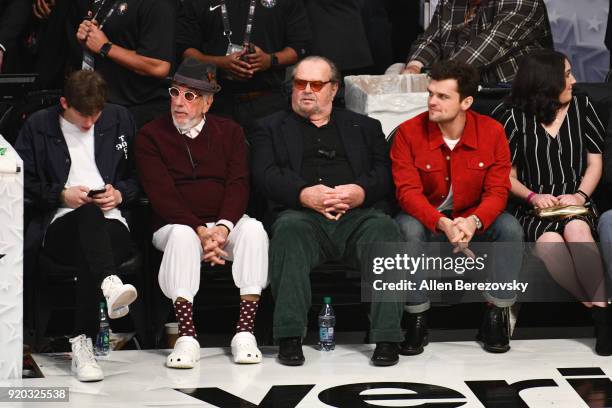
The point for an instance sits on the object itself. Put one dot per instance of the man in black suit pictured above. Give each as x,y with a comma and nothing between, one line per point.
14,16
324,171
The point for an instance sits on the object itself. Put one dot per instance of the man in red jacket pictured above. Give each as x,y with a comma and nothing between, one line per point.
451,167
194,169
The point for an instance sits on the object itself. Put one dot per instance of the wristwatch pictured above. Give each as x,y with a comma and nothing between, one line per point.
274,61
477,221
105,49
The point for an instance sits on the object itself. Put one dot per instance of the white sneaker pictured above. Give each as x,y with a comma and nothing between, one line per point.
185,354
244,349
84,363
118,296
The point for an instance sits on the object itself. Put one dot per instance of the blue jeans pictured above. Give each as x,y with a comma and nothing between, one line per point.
506,265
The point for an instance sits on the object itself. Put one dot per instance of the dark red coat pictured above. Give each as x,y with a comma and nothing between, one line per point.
218,187
422,166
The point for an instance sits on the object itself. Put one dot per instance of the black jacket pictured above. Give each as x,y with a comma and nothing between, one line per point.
277,152
46,163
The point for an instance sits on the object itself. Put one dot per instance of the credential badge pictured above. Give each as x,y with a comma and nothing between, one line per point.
268,3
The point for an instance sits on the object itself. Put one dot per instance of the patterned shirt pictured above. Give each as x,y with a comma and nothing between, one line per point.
491,38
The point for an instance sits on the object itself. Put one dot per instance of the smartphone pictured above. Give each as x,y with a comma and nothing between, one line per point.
250,49
94,192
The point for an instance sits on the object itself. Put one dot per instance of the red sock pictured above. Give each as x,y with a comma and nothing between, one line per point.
184,316
246,321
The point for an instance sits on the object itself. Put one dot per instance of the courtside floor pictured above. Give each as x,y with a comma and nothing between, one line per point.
551,373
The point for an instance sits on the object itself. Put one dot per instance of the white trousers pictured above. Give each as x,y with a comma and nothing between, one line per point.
179,272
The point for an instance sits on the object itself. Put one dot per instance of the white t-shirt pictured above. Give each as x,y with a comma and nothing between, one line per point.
448,203
83,169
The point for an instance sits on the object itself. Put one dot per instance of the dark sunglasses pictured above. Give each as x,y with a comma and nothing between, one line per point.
315,86
189,96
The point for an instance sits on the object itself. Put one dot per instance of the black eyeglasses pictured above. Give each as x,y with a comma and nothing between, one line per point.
189,96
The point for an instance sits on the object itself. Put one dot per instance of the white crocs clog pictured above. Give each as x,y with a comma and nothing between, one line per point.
185,354
244,349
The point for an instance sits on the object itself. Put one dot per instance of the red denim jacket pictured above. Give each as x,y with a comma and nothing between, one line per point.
478,168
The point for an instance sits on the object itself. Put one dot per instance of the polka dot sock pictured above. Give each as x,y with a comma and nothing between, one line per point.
184,316
246,321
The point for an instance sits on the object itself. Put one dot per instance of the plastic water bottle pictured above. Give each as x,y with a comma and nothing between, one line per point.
327,321
102,347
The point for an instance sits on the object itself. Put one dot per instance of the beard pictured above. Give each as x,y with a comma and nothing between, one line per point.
186,124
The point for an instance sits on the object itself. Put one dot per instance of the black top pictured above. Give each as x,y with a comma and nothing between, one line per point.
145,26
334,25
545,163
200,26
14,15
324,160
548,164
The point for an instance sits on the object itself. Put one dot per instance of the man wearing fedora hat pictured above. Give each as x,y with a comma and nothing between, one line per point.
194,169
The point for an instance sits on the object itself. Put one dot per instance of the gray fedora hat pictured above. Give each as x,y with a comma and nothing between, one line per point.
198,75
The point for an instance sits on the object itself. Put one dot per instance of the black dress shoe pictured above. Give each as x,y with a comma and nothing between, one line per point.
417,335
493,332
290,351
385,354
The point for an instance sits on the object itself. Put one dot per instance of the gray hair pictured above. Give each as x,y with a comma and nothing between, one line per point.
335,73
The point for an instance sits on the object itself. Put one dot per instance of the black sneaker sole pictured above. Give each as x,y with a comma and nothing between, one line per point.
292,363
492,349
384,363
496,349
413,352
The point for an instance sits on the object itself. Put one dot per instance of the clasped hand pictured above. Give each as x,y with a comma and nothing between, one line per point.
459,233
332,203
243,65
213,241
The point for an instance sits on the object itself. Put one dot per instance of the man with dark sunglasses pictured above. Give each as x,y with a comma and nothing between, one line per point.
325,172
193,167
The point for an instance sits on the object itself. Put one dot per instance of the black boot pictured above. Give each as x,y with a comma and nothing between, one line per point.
290,351
602,331
385,354
417,335
493,332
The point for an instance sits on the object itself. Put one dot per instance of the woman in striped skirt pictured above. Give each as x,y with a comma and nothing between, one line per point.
556,143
